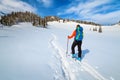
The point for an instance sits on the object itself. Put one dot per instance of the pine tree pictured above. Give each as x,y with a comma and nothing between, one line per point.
100,29
16,17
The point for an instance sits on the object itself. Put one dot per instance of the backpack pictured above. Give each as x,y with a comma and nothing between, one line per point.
79,34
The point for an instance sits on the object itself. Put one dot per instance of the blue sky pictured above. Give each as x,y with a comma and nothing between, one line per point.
99,11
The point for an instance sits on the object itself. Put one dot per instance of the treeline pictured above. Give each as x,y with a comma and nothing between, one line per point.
82,22
52,18
17,17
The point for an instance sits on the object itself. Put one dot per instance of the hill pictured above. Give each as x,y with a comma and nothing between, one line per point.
31,53
17,17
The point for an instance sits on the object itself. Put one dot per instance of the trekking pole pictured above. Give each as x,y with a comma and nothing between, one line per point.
67,47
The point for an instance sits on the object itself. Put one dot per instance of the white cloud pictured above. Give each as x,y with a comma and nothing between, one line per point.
46,3
15,5
87,7
89,11
110,18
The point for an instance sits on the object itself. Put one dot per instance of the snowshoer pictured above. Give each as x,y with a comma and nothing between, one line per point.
78,37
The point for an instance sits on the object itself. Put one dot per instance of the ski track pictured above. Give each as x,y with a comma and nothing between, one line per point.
65,67
65,64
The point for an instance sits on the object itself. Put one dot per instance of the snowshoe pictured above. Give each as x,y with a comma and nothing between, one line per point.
79,59
73,55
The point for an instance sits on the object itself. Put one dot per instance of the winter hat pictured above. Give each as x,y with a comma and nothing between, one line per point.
79,28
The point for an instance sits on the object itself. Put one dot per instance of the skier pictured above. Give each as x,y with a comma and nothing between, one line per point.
78,36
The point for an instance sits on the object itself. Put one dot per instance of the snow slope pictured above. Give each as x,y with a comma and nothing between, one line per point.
24,53
33,53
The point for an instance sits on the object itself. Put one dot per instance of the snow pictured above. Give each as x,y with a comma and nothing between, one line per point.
34,53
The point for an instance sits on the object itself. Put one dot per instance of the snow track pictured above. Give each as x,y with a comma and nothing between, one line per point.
69,65
65,65
92,71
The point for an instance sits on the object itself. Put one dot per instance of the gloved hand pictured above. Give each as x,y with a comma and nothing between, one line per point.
68,37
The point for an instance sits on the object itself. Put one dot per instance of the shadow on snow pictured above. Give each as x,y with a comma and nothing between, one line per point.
84,52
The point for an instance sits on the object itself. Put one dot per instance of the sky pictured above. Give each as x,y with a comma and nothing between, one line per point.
98,11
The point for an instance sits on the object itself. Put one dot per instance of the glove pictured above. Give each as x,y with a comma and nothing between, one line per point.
68,37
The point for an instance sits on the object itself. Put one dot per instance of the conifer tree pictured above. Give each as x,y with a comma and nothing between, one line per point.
100,29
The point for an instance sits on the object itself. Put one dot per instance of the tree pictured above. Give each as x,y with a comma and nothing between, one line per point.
100,29
17,17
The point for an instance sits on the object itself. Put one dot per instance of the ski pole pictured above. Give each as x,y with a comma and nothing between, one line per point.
67,46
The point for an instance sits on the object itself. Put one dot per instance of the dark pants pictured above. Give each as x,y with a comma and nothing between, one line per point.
77,43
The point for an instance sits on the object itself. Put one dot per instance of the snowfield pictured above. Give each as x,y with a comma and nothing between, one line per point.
34,53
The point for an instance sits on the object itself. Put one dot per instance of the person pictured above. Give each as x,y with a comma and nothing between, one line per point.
78,37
